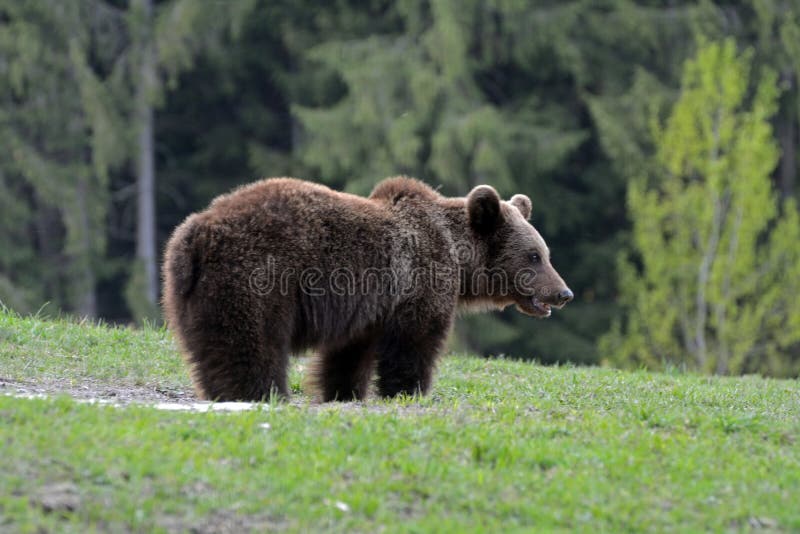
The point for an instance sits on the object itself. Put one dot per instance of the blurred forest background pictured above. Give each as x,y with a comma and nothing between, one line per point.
658,140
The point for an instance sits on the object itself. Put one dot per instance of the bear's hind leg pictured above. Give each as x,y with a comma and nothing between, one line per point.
238,365
344,373
228,376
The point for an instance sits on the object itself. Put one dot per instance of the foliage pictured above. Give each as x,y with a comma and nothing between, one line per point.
713,284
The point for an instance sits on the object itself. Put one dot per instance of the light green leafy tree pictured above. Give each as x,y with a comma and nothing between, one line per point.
713,286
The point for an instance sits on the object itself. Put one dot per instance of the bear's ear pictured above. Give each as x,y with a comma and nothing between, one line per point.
483,208
523,204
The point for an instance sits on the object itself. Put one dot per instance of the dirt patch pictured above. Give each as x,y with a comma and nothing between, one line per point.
121,395
59,498
224,522
91,390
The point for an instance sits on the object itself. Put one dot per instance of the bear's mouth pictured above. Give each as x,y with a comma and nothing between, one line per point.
535,307
542,308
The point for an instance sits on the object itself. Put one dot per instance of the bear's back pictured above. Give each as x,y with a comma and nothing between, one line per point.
294,216
269,193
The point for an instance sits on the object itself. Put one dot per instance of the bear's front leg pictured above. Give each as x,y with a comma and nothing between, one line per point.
407,355
343,373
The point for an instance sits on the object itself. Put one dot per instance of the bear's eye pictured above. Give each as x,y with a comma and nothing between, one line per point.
535,258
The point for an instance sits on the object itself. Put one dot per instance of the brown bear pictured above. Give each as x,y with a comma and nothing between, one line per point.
373,284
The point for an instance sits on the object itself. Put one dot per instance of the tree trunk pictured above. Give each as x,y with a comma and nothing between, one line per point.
145,171
48,226
704,270
727,301
86,301
788,165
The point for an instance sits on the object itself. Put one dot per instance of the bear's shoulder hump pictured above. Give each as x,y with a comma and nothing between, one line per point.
394,189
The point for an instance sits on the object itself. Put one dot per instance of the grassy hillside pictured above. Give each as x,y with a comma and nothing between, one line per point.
500,446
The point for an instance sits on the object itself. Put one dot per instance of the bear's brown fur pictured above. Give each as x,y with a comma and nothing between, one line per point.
372,283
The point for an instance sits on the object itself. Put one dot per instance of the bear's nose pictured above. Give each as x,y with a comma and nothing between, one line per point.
564,296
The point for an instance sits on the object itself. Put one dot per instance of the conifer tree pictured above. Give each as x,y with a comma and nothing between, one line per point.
54,175
156,44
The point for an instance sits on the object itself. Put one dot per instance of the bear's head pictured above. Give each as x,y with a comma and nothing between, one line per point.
512,262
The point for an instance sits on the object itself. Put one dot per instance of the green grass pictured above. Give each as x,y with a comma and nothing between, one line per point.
500,446
64,350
